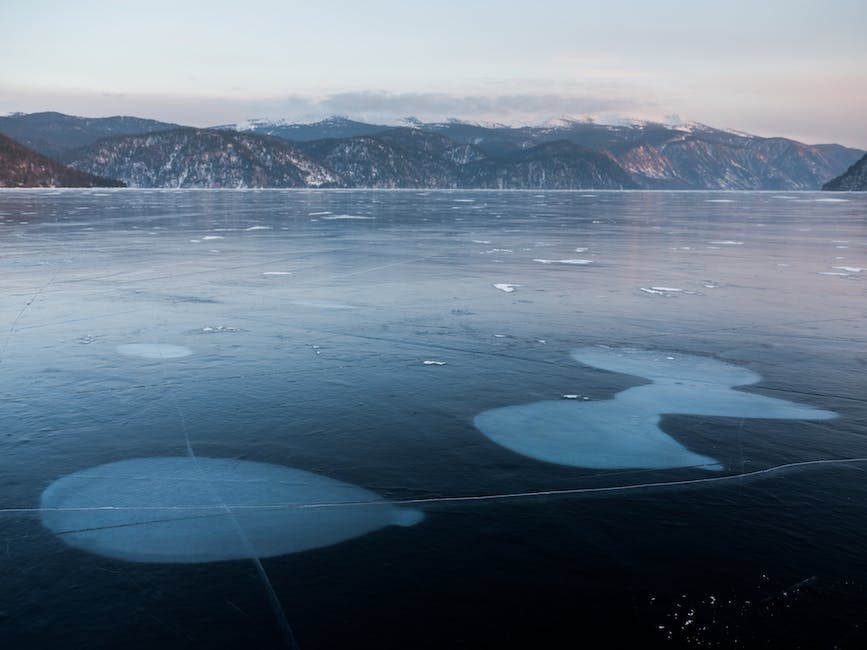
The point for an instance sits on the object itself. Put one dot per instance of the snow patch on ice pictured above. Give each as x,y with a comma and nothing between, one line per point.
154,350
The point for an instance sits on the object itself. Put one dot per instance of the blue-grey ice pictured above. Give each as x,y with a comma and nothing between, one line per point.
624,432
154,350
188,510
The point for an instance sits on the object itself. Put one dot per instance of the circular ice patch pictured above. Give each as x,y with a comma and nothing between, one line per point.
183,509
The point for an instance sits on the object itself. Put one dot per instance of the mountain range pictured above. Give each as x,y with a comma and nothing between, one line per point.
339,152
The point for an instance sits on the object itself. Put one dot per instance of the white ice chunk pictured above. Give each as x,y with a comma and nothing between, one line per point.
277,273
258,228
508,288
188,510
727,242
431,362
154,350
563,261
850,269
624,432
348,217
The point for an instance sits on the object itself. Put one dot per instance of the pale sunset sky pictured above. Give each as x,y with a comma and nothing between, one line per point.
794,68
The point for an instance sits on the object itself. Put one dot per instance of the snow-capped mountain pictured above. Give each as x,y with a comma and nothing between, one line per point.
332,127
677,155
201,158
345,153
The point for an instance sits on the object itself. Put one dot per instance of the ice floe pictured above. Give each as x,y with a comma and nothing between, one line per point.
508,288
346,217
190,510
624,432
432,362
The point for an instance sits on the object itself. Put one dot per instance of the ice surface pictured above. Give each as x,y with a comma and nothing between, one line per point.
563,261
188,510
322,304
624,432
154,350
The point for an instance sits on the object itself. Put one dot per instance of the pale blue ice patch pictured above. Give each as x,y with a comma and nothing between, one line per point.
189,510
623,432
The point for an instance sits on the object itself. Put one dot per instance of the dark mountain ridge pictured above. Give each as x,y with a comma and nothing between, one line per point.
853,179
53,134
22,167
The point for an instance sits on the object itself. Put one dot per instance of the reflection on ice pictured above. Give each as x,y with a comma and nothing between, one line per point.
154,350
623,432
186,510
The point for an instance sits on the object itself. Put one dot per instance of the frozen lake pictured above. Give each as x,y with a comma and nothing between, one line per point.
352,419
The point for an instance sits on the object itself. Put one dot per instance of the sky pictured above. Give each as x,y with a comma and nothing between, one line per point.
792,68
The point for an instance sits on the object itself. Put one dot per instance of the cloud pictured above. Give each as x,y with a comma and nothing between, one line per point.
508,108
375,106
